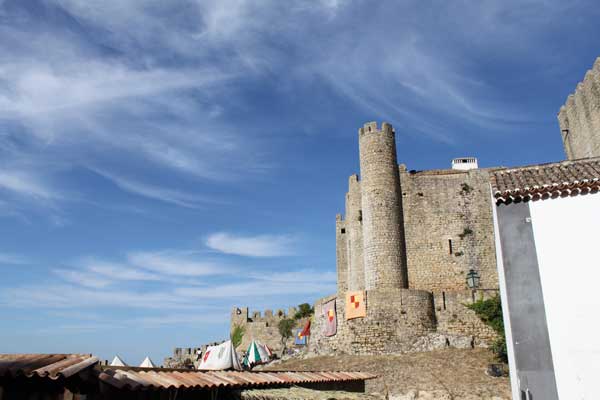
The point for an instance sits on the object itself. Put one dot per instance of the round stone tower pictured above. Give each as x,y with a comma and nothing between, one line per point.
383,231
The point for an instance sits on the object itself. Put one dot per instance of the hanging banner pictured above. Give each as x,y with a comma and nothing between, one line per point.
300,339
330,325
356,305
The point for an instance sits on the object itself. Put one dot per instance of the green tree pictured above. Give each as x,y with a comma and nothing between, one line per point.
237,335
304,310
490,312
285,330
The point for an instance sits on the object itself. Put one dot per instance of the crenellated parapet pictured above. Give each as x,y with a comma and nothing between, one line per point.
579,118
242,315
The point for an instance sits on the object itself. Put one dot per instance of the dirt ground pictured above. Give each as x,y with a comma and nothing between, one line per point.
444,374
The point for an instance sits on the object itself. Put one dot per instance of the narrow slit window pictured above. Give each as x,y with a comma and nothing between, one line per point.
444,300
450,246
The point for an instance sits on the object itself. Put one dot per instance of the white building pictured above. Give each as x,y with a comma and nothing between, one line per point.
546,221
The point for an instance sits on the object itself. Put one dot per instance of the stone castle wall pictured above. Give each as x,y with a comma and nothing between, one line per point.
354,236
579,118
409,239
395,322
449,228
263,327
403,320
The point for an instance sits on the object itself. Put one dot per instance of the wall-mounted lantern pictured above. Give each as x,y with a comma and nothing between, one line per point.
472,279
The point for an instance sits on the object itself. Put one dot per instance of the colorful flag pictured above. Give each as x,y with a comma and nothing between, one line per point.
300,339
306,330
330,325
356,306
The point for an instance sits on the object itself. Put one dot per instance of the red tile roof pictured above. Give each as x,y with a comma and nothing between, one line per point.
543,181
53,366
138,379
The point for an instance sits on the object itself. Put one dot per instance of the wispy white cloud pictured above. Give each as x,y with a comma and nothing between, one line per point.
252,246
119,272
175,264
82,278
166,195
76,296
25,184
7,258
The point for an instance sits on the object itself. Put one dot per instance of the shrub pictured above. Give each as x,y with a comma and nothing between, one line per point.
465,188
466,232
490,312
304,310
237,335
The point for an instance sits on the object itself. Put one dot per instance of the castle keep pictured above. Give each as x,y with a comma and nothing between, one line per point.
408,240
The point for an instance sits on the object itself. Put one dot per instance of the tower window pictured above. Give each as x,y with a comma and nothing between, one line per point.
343,231
450,246
360,215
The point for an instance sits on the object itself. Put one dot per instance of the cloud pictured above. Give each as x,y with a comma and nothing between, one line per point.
7,258
120,272
252,246
82,278
173,264
166,195
74,296
25,184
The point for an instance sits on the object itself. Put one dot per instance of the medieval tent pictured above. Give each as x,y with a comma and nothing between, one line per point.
117,362
147,363
256,354
220,357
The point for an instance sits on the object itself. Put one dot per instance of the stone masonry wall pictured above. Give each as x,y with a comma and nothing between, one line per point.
404,321
354,235
456,321
579,118
341,254
384,261
396,321
263,327
449,228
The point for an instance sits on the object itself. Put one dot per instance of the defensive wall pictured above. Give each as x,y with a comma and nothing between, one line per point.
579,118
263,326
403,320
449,228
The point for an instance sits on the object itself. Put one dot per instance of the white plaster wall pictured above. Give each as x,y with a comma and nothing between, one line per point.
567,239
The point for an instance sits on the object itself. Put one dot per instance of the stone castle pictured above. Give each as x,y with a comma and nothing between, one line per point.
408,239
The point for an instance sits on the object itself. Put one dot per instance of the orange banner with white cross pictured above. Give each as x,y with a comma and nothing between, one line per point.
356,304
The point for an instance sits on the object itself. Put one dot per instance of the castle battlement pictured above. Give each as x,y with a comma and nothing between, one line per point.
242,315
371,127
579,117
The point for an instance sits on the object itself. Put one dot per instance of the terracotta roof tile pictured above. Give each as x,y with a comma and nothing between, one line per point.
543,181
53,366
135,379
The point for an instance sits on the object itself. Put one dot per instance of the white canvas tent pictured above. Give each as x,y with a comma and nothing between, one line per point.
257,354
117,362
147,363
220,357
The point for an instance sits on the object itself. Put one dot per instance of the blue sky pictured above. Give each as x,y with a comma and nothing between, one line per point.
161,162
